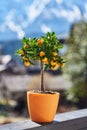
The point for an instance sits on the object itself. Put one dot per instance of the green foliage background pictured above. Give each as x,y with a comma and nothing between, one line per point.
76,67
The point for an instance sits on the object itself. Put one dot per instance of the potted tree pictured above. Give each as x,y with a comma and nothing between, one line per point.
42,104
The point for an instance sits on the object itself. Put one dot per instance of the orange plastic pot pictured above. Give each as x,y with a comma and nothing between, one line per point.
42,106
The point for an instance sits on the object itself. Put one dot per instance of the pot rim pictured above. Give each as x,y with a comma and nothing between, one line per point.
42,93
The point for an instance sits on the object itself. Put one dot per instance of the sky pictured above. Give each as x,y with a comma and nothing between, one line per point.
19,18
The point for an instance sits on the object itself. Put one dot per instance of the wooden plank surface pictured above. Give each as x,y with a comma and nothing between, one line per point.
21,125
76,120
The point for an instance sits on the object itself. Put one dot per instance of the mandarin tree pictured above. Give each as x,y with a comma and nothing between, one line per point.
44,50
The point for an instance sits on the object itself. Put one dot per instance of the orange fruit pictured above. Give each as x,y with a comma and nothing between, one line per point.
21,52
53,62
54,53
26,46
40,41
54,67
42,53
27,63
45,60
25,59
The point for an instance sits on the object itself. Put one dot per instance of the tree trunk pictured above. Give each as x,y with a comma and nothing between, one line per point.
42,76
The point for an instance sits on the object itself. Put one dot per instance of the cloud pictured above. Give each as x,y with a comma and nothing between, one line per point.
16,28
63,35
10,15
8,18
59,1
70,15
36,9
85,14
16,21
45,28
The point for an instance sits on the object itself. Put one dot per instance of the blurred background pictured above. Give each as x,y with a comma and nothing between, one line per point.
33,18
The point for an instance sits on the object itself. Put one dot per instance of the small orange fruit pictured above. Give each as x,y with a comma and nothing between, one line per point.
53,62
54,53
42,53
27,63
45,60
54,58
21,52
40,41
26,45
25,59
54,67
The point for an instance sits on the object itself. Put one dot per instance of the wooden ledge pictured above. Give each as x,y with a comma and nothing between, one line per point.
75,120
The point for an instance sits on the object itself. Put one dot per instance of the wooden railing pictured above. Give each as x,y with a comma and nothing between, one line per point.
76,120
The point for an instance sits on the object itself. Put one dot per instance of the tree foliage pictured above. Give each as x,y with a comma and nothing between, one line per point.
45,49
